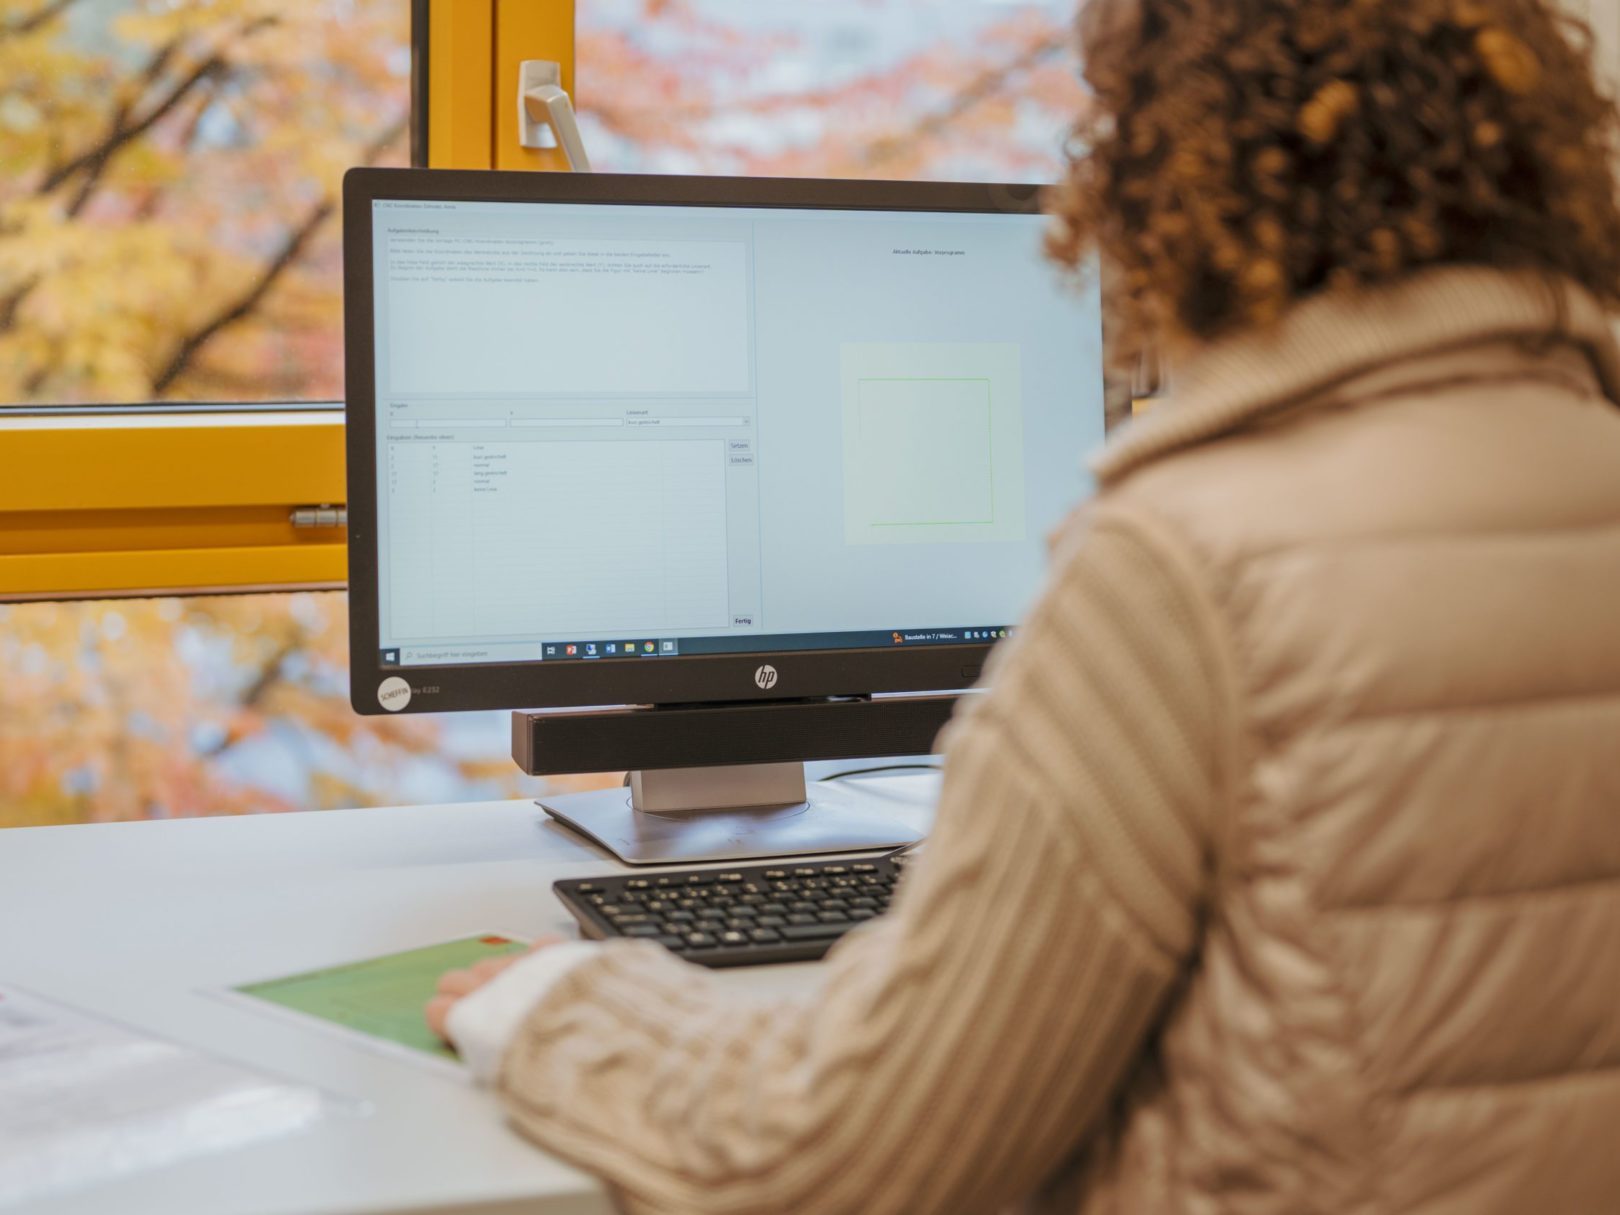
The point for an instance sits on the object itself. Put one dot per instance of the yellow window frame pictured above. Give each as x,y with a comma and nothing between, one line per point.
128,501
131,500
474,49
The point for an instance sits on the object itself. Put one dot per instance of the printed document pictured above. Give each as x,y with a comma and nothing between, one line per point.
83,1100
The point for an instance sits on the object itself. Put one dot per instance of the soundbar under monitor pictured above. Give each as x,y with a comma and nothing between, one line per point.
702,444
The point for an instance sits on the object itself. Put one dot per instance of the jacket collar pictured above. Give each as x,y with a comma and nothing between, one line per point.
1338,336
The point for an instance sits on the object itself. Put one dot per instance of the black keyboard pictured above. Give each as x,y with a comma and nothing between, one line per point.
736,917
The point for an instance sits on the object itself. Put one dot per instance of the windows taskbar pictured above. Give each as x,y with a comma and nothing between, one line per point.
677,647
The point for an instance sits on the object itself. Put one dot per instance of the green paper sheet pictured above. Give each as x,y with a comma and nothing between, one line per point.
383,997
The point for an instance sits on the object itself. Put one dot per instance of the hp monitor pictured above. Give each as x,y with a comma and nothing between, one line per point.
706,476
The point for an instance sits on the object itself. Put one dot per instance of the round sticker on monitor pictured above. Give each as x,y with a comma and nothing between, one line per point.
393,693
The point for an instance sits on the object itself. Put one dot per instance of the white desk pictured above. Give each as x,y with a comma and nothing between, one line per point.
142,922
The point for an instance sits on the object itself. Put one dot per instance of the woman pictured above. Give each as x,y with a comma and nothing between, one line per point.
1280,869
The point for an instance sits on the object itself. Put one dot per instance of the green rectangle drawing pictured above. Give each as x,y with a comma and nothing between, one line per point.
933,442
383,997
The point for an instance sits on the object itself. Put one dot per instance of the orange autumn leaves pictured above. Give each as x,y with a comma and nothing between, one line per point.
167,181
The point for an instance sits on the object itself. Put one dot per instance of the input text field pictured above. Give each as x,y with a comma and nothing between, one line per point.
567,421
688,421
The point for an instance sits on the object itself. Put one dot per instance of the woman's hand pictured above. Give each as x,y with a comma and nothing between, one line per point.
455,984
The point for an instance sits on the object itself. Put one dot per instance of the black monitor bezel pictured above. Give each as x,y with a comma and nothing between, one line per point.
685,679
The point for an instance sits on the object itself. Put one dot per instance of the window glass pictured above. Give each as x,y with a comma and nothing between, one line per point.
169,181
964,89
168,172
125,709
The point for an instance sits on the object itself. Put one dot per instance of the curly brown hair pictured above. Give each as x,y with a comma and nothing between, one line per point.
1240,155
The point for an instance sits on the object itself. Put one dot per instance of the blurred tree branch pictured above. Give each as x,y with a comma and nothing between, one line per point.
990,83
41,16
287,254
269,675
13,300
121,131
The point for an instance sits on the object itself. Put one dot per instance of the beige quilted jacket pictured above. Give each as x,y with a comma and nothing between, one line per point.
1279,870
1407,997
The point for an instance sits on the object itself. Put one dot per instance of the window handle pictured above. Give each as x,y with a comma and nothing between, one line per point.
546,115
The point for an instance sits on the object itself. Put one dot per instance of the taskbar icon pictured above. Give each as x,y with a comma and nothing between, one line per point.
587,650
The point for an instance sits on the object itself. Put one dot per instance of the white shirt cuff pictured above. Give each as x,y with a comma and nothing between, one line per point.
481,1026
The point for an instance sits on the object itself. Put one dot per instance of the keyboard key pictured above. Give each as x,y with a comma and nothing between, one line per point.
700,940
833,917
801,918
770,921
638,884
862,913
733,938
729,878
641,930
763,936
811,932
588,888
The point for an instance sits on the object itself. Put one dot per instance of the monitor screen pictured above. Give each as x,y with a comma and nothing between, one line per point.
617,433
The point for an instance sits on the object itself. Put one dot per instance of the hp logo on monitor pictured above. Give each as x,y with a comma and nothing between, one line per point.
765,678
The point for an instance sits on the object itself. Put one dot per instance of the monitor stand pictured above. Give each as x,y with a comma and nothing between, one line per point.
746,812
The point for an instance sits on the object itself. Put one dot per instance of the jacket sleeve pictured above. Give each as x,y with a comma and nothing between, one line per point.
960,1048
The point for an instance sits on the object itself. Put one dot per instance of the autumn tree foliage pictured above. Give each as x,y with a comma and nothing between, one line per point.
169,169
169,175
169,179
669,86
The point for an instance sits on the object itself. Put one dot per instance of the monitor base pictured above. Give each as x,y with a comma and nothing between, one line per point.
834,819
